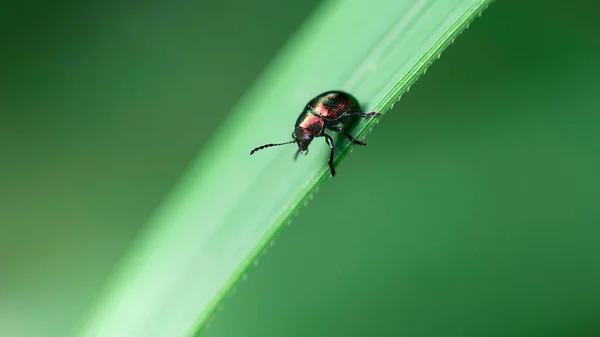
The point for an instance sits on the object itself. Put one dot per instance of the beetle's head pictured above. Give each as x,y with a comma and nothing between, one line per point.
302,137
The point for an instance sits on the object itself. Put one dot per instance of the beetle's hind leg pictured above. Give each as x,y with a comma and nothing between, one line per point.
352,139
361,114
329,141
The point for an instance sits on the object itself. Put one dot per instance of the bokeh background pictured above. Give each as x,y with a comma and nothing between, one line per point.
472,212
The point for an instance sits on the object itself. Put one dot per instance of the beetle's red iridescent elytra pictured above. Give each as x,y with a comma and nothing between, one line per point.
325,111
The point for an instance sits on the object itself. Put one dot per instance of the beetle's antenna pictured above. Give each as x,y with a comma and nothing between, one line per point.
269,145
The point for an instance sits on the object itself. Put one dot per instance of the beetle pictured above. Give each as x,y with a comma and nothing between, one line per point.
325,111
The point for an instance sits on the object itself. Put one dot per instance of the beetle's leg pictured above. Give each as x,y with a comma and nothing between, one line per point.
330,143
361,114
339,129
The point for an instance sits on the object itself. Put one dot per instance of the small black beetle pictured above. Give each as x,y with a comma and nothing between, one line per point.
325,111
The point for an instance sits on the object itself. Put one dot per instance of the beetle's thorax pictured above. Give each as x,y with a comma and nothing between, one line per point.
308,126
311,123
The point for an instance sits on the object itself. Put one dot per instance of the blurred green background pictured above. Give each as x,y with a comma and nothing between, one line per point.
103,105
473,211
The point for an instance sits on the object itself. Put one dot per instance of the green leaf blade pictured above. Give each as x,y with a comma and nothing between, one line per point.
230,205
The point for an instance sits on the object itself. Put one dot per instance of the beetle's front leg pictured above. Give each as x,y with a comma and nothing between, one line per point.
329,141
355,141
